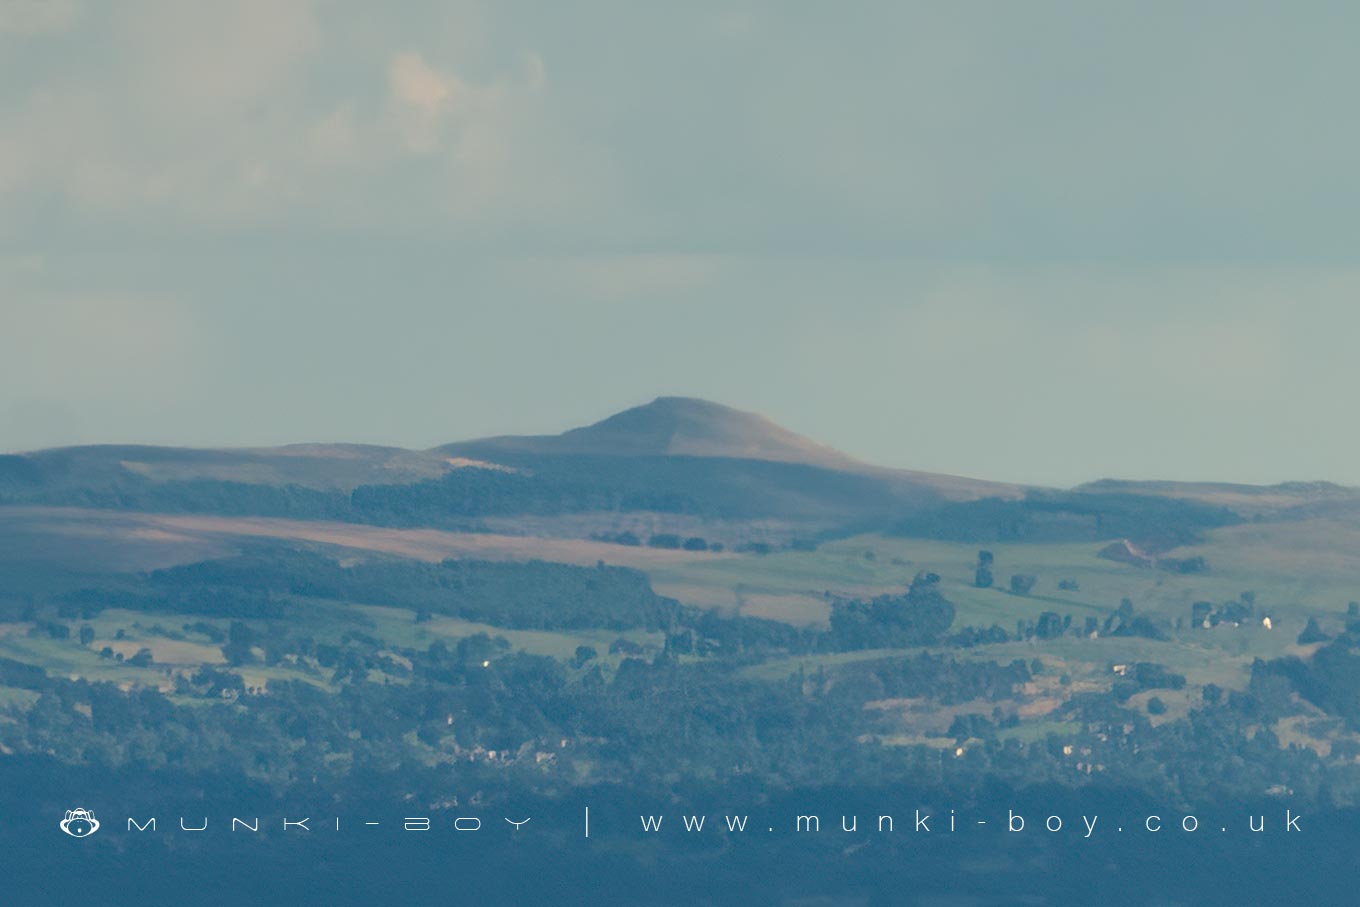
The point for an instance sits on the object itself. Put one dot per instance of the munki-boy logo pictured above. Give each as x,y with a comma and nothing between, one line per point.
79,823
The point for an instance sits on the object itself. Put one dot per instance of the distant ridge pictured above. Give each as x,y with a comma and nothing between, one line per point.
1301,498
678,426
725,452
691,427
673,452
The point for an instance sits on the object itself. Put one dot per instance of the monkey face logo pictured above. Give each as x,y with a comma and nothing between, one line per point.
79,823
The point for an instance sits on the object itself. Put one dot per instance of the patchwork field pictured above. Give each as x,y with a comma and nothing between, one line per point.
1294,569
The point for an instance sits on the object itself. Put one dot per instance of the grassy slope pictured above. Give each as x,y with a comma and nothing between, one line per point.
1297,570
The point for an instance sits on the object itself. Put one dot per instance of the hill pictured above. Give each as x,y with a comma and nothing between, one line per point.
675,426
674,455
690,427
676,466
1296,498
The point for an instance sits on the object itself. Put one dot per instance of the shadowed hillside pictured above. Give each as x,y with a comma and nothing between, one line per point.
676,466
677,426
675,455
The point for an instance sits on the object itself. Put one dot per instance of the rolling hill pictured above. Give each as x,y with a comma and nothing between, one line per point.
673,455
674,467
674,426
680,535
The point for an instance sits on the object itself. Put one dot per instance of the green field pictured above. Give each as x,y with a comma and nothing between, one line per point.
175,649
1296,570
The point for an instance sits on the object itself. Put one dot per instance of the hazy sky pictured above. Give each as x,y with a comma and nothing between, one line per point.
1017,240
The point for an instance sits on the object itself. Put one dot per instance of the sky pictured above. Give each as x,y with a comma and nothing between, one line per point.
1037,242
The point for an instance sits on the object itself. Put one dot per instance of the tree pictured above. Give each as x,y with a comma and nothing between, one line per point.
1051,625
928,613
86,634
240,639
1155,706
919,617
1312,633
583,655
982,577
1022,583
681,643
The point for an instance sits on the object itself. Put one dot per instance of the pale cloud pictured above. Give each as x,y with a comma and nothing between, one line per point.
36,17
489,135
414,82
208,63
188,108
1009,238
425,100
221,113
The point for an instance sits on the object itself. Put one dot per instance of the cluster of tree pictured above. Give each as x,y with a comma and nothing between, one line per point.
1330,678
474,704
1204,615
1050,625
532,595
1146,675
273,582
707,487
1020,583
920,616
939,678
538,485
701,486
398,709
1157,523
689,543
675,541
1125,622
967,637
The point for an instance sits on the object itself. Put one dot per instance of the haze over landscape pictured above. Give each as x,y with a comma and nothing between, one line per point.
456,407
717,535
986,240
